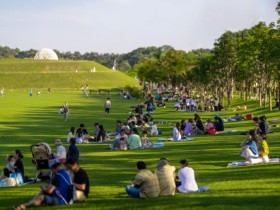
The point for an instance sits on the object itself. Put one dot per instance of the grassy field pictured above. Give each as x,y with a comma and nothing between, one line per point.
38,74
27,120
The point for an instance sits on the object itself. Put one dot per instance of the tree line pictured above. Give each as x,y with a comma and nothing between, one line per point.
246,62
123,62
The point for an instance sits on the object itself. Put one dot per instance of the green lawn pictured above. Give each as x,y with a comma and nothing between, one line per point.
27,120
64,74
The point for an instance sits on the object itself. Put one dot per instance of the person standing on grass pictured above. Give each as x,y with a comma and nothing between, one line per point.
187,181
107,106
145,183
65,111
57,193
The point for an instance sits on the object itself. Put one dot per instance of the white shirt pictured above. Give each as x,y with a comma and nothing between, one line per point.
188,183
216,102
69,136
107,104
176,134
61,152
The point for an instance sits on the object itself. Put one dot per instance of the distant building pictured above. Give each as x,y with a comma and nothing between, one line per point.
46,54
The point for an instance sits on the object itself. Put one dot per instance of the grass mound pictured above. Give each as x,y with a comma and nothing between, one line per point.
22,74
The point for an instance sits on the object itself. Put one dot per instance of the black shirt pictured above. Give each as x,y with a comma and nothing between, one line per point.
19,167
81,177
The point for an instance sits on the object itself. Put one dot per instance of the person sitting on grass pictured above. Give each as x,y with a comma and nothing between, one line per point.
210,127
60,154
102,134
71,134
57,193
9,168
73,151
189,127
176,135
219,124
118,137
263,149
186,182
199,128
122,144
166,177
145,141
249,147
263,125
81,133
134,141
145,183
80,180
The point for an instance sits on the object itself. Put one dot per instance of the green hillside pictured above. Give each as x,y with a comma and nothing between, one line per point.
21,74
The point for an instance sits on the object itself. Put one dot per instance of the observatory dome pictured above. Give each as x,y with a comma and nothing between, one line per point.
46,54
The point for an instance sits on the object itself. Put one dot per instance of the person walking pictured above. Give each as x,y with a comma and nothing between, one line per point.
107,106
65,111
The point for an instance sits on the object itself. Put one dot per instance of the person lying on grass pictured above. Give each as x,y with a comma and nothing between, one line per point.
145,183
57,193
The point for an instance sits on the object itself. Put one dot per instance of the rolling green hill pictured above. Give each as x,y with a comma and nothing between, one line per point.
21,74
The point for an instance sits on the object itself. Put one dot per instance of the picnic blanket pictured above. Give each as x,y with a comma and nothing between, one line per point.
15,180
275,121
243,163
229,131
158,145
168,139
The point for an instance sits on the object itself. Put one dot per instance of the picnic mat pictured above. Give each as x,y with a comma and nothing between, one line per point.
243,163
167,139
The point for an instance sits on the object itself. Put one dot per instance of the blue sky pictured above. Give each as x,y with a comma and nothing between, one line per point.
120,26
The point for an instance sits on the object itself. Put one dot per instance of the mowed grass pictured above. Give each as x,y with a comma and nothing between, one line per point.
38,74
27,120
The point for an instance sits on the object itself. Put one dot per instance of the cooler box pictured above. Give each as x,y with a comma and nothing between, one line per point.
249,116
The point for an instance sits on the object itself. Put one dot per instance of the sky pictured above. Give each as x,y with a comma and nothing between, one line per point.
120,26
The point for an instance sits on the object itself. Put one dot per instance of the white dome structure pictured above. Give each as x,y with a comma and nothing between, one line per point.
46,54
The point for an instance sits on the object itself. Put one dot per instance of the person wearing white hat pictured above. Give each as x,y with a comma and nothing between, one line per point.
60,154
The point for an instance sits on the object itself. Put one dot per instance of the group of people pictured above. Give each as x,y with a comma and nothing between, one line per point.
191,104
254,147
62,188
163,181
61,191
125,141
14,165
82,135
196,126
127,136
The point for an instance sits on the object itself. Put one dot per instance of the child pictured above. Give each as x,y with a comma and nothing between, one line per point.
122,144
146,142
9,168
263,149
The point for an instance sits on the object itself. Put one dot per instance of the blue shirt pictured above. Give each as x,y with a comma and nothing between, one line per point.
73,152
62,184
253,147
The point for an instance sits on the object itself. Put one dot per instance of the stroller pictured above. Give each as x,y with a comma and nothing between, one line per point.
41,153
